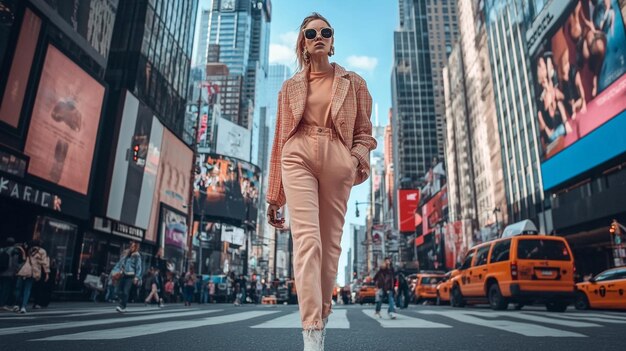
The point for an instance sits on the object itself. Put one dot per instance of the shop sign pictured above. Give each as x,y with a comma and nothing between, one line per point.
114,227
13,163
27,193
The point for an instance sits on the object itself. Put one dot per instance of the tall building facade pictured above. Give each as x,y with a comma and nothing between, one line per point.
203,38
476,191
426,34
506,24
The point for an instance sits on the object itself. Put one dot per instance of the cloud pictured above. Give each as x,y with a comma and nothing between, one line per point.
363,63
283,51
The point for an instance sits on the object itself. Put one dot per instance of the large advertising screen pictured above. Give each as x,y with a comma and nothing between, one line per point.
136,164
232,140
579,75
172,180
227,188
64,123
173,236
408,200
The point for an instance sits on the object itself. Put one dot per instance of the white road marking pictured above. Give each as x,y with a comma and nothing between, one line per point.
156,328
581,316
539,319
508,326
337,320
403,321
108,321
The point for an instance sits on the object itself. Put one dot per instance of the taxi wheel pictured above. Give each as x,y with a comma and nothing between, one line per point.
581,302
496,300
456,298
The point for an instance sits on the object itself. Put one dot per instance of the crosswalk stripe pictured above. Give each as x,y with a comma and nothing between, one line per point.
598,315
609,320
403,321
337,320
69,325
540,319
292,320
156,328
509,326
133,311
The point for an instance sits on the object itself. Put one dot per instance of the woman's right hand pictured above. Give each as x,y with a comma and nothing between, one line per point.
272,217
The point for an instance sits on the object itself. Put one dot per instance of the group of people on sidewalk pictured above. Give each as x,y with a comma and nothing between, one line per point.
25,269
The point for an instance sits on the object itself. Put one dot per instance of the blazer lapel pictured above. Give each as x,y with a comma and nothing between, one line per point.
340,90
298,91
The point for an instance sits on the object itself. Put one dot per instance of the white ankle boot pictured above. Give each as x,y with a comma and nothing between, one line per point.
312,340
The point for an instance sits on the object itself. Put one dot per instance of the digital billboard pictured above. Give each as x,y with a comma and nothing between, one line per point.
226,188
408,200
232,140
137,156
173,236
579,75
64,124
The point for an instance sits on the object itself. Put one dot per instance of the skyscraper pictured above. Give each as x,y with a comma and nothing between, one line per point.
476,192
421,44
203,38
506,23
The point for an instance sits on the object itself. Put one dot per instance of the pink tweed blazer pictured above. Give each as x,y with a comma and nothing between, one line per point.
351,108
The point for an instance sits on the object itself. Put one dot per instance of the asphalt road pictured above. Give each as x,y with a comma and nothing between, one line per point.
94,327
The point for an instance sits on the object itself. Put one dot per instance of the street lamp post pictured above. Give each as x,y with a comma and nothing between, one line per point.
495,212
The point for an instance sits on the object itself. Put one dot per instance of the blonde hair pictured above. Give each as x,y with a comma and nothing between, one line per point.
302,62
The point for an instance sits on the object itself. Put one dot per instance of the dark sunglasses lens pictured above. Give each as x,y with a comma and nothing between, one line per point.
310,34
327,33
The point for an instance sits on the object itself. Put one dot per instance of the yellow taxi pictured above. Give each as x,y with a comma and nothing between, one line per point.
426,286
444,287
367,293
605,290
522,269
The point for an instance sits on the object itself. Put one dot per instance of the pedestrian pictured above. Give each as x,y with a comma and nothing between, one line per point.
36,266
190,284
211,286
237,294
9,264
128,272
328,107
110,295
43,292
384,280
169,290
403,291
259,291
155,284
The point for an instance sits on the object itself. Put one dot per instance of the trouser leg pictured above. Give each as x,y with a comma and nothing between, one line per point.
335,182
301,190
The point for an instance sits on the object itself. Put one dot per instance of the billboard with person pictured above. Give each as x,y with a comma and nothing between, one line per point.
579,74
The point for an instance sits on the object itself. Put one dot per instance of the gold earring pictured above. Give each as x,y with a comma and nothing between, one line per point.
306,56
332,51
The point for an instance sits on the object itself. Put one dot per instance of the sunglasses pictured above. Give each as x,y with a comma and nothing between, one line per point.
311,33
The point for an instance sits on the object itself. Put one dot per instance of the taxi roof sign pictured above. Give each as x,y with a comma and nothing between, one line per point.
523,227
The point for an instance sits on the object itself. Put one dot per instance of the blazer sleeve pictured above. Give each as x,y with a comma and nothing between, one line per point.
276,192
363,142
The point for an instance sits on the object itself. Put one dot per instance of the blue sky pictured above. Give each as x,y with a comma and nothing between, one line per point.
363,43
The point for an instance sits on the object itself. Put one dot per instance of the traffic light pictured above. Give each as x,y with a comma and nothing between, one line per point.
613,228
135,153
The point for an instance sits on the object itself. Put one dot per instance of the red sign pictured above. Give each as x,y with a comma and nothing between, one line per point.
432,211
408,199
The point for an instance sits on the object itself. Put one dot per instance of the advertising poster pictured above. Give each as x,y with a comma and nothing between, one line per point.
408,201
92,19
64,124
579,74
136,164
432,211
172,179
232,140
174,236
226,188
11,106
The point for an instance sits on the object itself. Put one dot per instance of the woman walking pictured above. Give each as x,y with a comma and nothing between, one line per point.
190,285
321,149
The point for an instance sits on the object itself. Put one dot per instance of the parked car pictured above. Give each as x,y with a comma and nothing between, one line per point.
522,269
605,290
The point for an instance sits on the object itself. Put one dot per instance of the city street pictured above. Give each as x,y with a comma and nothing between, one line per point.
76,326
